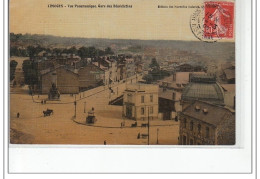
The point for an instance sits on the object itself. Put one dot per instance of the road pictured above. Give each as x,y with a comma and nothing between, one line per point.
60,128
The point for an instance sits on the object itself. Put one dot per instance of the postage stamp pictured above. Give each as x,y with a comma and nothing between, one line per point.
219,19
213,21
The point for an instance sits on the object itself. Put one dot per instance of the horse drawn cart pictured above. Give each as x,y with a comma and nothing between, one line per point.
48,112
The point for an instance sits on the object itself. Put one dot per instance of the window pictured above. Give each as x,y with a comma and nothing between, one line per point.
184,140
142,111
199,128
191,125
191,141
207,132
129,97
184,122
151,98
142,99
151,110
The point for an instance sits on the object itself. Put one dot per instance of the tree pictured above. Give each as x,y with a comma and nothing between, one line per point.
13,65
154,64
31,51
148,78
108,51
30,72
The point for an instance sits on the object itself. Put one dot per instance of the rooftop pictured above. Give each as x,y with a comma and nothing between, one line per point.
209,113
167,94
203,91
203,87
143,88
230,73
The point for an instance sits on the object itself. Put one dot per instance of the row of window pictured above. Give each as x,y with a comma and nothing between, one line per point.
129,98
190,142
198,127
143,110
151,98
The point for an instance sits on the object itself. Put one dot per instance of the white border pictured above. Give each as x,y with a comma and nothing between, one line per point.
149,160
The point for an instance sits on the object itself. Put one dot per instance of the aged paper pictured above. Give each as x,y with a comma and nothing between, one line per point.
122,72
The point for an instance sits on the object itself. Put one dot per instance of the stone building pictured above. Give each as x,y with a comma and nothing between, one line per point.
65,80
178,80
167,99
90,76
140,102
228,72
203,123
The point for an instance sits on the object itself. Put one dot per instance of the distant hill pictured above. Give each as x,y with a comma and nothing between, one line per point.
215,51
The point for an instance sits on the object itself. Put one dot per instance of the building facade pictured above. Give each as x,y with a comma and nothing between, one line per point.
203,123
65,80
140,102
90,76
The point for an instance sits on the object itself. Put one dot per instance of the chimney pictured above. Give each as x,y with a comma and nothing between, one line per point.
174,76
197,108
205,111
173,96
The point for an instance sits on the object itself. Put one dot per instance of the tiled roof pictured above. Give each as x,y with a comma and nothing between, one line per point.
230,73
214,115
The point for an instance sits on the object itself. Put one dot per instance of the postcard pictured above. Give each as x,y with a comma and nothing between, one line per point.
122,72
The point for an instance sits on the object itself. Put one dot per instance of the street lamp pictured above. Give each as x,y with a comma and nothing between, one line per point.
75,104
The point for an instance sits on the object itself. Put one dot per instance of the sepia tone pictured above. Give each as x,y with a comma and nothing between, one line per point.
98,76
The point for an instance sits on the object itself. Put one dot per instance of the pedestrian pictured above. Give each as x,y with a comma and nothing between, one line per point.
18,115
105,142
138,136
42,101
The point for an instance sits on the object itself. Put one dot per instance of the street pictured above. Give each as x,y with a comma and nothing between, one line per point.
63,128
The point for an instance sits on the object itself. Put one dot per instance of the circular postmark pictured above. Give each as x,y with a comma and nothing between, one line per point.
201,28
213,21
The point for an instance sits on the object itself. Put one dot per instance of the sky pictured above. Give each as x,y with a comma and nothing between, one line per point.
143,21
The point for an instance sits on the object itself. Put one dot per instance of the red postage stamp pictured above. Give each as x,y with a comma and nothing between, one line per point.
219,20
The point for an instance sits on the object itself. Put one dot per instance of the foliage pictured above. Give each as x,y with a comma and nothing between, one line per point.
13,65
155,73
33,50
148,78
154,64
30,72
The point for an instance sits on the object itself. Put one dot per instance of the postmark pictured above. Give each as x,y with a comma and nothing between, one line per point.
213,21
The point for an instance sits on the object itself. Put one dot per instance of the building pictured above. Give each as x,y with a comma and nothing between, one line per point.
229,95
202,123
167,99
228,73
140,102
65,80
178,80
111,65
204,88
90,76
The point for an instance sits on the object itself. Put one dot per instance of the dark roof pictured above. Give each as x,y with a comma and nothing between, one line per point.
165,93
230,73
203,91
214,115
44,72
